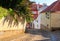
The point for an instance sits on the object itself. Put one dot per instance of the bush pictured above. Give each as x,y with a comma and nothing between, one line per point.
3,12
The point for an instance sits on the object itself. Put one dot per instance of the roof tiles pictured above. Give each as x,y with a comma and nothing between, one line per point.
53,7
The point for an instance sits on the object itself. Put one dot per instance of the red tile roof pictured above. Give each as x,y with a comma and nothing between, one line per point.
53,7
35,10
56,7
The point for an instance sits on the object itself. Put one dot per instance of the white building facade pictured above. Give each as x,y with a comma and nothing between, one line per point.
36,24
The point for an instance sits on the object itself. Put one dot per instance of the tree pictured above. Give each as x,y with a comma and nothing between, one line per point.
21,7
16,9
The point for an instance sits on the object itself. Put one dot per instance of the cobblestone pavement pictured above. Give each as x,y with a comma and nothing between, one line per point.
55,36
36,35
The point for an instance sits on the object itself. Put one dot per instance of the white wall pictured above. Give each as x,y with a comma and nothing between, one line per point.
37,22
9,24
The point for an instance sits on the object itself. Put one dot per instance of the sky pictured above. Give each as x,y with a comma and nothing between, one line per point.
48,2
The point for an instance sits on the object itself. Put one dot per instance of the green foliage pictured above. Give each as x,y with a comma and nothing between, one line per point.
3,12
25,10
11,12
21,7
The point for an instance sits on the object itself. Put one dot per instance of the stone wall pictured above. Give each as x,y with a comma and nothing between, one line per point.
7,23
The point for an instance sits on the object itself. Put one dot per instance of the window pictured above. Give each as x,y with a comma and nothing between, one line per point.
47,15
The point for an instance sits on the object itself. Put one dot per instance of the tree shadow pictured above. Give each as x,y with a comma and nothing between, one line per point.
44,40
39,32
11,21
51,36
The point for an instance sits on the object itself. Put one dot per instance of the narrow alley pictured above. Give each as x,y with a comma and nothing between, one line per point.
35,35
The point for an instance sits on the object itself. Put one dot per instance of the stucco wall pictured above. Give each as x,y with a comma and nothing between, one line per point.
45,21
55,19
52,22
37,22
9,24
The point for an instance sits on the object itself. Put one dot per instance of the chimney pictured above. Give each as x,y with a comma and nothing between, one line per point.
44,4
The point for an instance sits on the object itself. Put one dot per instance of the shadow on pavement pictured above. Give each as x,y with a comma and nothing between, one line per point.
38,32
54,36
43,40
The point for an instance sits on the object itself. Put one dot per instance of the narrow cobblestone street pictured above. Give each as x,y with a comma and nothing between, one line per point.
35,35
